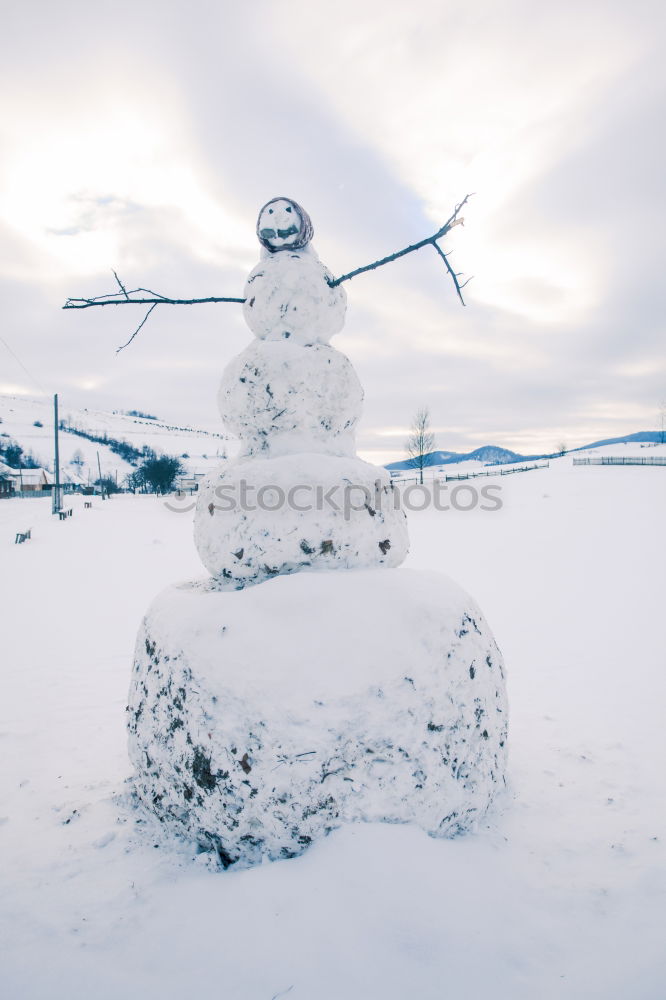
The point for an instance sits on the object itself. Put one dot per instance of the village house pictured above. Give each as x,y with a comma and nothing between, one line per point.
188,483
7,488
72,481
32,480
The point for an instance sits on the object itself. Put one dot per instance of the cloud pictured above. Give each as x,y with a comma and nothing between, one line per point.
147,143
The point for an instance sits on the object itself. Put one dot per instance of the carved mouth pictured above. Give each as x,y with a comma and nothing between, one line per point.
270,234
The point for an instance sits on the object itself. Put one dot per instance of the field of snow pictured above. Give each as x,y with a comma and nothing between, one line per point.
19,413
439,471
561,893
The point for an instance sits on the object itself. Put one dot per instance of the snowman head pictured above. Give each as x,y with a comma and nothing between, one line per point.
283,225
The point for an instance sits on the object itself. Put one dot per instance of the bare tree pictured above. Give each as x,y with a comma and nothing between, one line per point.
420,442
662,419
561,448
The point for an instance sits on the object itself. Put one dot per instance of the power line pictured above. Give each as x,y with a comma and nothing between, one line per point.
28,373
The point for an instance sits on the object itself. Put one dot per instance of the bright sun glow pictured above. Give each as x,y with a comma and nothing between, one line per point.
79,205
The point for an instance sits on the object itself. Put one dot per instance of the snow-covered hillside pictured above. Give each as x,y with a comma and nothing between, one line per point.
472,467
492,455
486,455
19,414
562,894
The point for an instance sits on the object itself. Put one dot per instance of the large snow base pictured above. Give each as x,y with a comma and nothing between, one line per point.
262,719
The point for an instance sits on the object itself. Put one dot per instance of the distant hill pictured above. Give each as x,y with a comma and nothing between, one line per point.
492,455
118,438
489,454
640,436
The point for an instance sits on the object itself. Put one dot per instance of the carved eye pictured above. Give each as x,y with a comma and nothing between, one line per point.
270,211
289,208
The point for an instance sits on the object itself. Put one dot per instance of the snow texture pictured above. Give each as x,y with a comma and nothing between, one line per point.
278,397
297,497
258,741
288,296
240,546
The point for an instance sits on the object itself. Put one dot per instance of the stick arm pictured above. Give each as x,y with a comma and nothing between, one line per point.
139,296
147,297
454,220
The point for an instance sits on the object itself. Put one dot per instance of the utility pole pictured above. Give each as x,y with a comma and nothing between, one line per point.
56,503
101,484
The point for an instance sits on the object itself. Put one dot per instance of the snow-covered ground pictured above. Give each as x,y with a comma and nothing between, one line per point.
562,893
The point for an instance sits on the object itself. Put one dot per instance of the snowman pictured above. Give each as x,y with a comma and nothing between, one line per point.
294,402
274,700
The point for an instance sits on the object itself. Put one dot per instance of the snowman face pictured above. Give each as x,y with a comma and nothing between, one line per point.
283,225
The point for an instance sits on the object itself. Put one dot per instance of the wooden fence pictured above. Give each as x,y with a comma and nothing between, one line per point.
494,471
609,460
497,472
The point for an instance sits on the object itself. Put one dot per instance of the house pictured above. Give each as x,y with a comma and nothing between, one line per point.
32,480
72,481
188,483
7,488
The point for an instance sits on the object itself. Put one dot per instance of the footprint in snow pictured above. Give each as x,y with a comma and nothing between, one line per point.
103,841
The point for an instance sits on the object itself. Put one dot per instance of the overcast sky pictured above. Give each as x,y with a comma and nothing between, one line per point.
145,136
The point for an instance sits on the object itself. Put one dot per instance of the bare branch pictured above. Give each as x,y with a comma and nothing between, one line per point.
452,221
138,296
149,291
122,287
276,996
156,299
118,349
454,274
